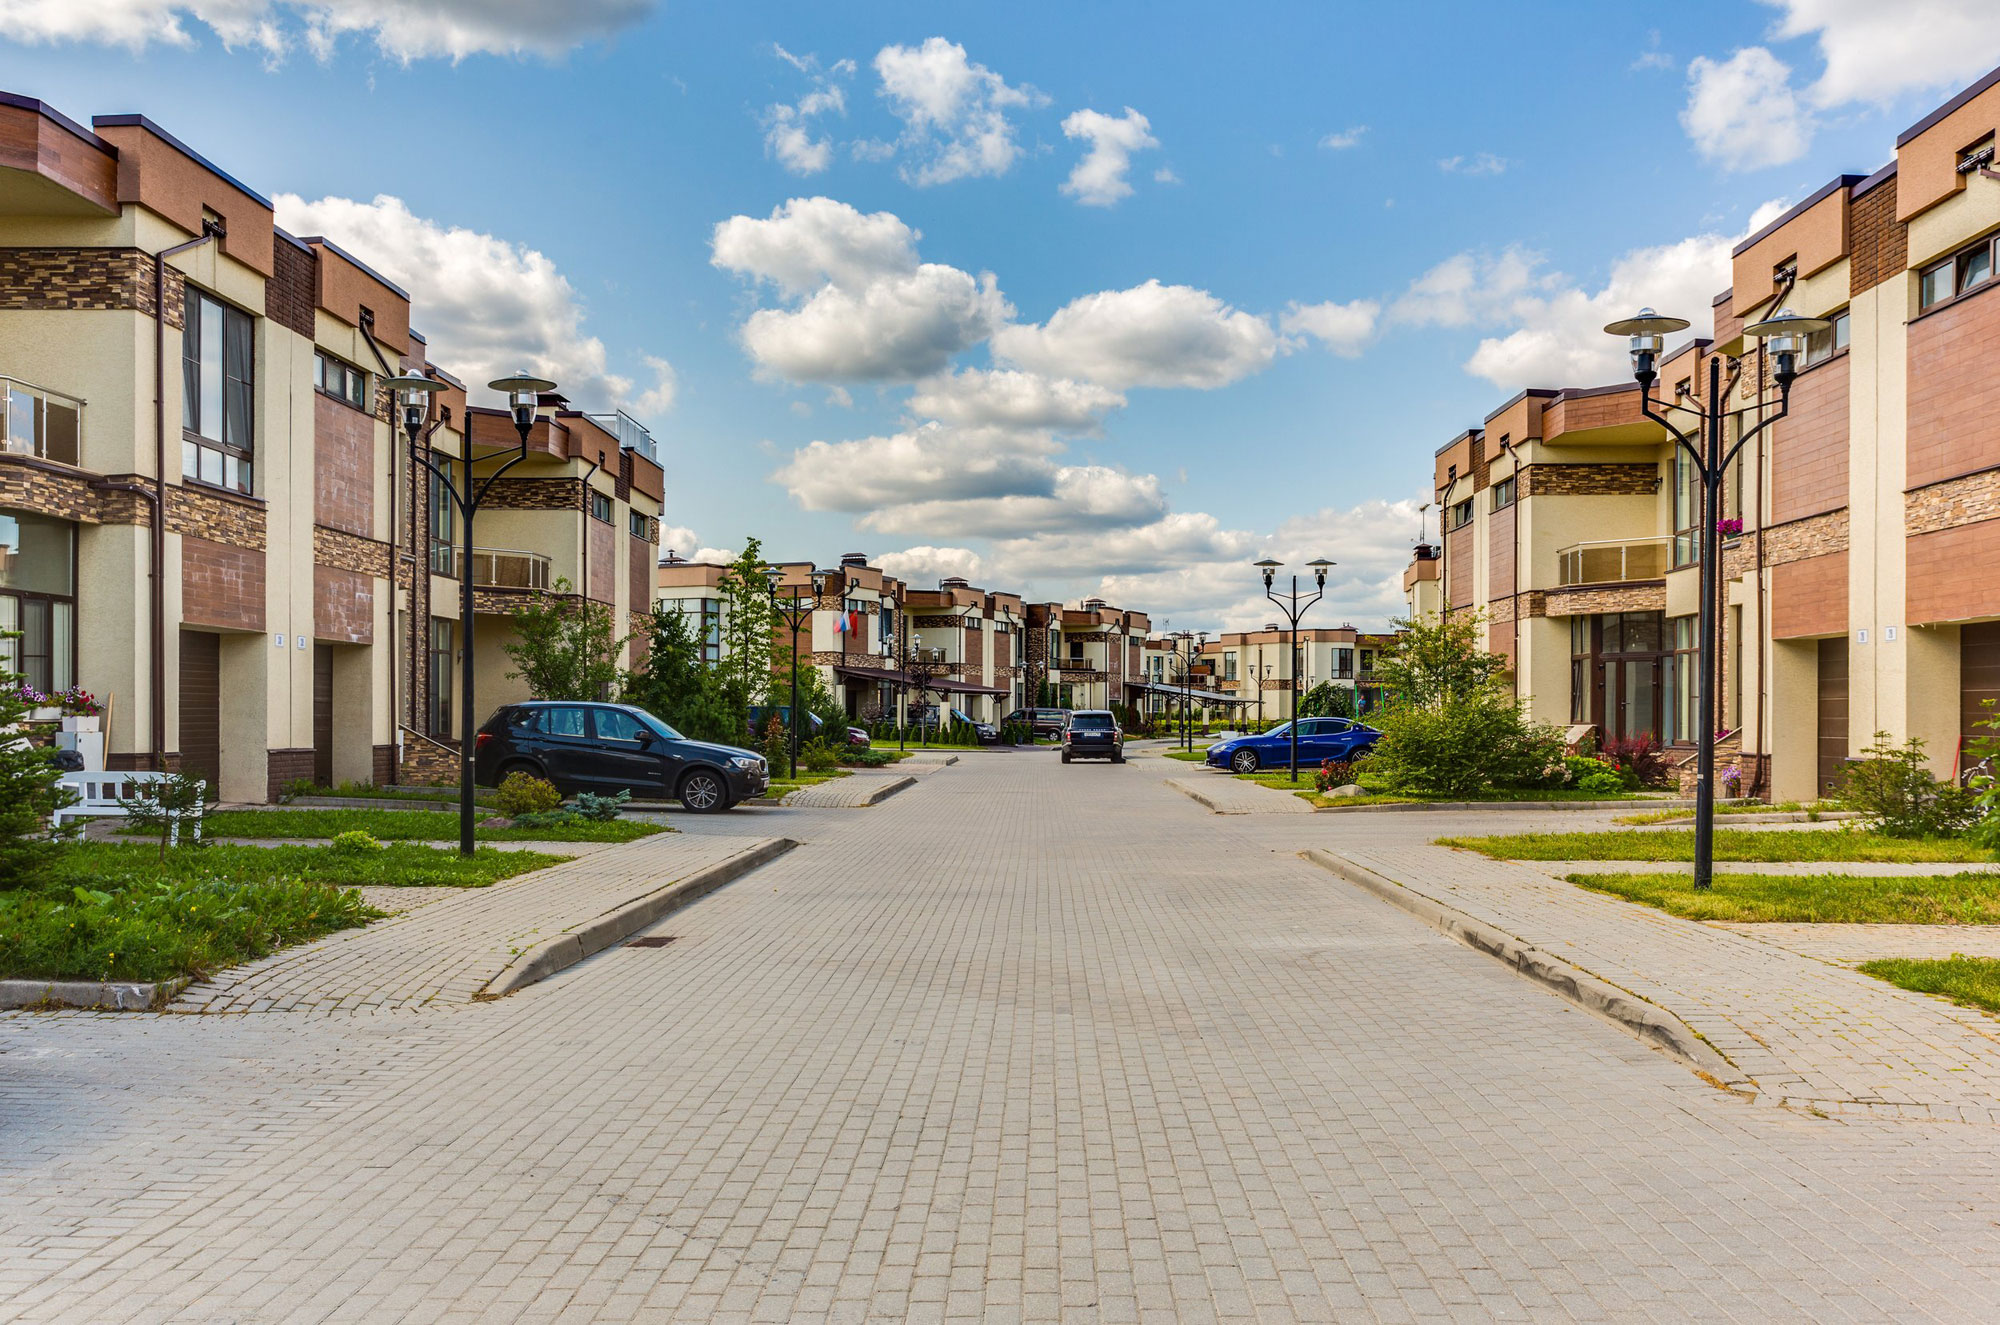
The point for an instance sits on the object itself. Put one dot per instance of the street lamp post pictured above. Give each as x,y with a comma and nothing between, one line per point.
1293,609
796,612
413,392
1785,332
921,667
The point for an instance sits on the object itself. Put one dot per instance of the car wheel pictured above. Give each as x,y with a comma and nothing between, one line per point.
703,792
1244,761
1065,756
1118,758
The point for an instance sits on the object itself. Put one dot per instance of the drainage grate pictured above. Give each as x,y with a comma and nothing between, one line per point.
651,941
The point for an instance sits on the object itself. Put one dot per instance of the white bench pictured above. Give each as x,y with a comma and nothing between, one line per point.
108,796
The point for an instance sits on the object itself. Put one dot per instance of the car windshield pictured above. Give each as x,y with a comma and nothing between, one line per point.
1091,722
1282,729
658,726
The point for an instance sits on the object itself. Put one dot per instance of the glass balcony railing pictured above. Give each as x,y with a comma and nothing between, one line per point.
492,567
1612,561
41,423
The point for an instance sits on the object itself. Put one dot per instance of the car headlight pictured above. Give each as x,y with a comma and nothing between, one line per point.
750,762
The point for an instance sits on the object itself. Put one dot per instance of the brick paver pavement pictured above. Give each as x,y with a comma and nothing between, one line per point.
1850,945
1024,1042
1806,1031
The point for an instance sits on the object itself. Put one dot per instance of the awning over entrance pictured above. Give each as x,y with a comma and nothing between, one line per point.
945,685
872,674
1188,693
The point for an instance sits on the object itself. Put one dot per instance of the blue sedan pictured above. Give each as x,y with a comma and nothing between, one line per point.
1320,739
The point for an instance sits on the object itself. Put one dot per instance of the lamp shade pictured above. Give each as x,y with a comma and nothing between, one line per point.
521,382
1647,323
1267,564
410,385
1786,323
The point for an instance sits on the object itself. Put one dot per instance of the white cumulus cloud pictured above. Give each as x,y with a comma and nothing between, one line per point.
1344,329
1148,335
1742,113
1875,52
788,133
1346,138
1099,180
925,564
954,111
1013,399
488,306
402,29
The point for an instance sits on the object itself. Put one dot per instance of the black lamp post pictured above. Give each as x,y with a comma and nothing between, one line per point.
1786,332
1293,609
413,392
795,612
923,670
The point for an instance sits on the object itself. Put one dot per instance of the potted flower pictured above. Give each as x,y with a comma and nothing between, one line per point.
81,711
39,707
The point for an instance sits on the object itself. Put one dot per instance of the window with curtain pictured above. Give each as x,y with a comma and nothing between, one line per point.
218,374
38,599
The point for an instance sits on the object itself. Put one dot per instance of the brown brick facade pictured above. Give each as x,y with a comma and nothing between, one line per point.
221,586
603,568
1953,398
1878,244
1500,539
343,466
288,295
1458,548
1809,597
286,766
1607,480
84,278
343,606
1809,447
1951,573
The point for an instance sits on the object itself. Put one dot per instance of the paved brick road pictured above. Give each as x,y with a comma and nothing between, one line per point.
1023,1042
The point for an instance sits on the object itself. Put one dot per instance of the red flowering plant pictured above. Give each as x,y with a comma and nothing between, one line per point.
78,703
1335,773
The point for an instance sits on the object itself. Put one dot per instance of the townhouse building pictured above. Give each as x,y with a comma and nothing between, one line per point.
1090,653
1262,667
207,516
1859,589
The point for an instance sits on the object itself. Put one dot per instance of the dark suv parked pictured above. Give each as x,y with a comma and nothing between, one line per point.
607,748
1048,722
1093,734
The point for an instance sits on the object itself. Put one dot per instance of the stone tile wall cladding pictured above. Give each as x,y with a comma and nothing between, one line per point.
537,494
85,278
427,763
1607,480
1647,597
232,521
1957,501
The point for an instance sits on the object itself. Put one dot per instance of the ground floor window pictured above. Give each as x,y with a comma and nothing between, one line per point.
37,599
1683,680
441,660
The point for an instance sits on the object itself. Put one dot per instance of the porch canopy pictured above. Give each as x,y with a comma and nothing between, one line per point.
872,674
946,686
1188,693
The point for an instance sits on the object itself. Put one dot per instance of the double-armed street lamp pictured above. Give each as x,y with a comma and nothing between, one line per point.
1188,645
1784,334
795,612
413,391
1293,609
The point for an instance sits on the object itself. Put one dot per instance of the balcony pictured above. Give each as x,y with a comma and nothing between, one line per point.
493,568
42,423
1612,562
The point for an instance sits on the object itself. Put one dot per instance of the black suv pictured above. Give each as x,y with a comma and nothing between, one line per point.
1093,734
1047,722
606,748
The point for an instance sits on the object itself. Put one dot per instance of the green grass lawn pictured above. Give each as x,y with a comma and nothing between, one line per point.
396,865
1673,816
1730,844
1972,982
1378,794
1186,756
404,826
1813,899
369,791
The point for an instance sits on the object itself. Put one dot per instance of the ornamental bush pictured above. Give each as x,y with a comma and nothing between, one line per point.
522,793
600,809
1893,786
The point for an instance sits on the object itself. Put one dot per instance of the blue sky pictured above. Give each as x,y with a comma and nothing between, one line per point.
1240,269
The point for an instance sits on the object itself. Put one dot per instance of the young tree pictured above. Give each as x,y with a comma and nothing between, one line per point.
748,646
1327,700
1450,728
29,791
566,649
1438,661
676,685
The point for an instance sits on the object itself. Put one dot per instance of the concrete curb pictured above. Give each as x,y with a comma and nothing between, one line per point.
550,956
1195,794
89,994
1635,1016
888,789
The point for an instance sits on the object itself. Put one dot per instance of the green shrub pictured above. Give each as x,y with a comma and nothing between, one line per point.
818,757
1604,782
354,842
522,793
1336,773
600,809
561,817
1454,750
854,758
175,797
1892,786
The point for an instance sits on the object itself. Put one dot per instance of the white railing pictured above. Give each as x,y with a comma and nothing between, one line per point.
1612,561
493,567
39,422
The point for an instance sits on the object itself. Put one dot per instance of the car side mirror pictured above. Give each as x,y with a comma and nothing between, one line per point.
647,736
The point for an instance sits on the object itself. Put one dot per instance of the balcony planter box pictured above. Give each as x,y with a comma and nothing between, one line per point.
47,713
83,723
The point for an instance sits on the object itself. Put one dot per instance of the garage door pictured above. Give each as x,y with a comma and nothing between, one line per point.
323,714
201,707
1832,713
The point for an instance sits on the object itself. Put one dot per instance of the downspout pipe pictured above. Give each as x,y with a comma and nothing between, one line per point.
211,228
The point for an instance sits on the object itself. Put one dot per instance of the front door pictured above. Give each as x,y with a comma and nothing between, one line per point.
1631,697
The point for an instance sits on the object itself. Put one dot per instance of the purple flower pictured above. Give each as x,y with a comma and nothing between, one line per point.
1732,525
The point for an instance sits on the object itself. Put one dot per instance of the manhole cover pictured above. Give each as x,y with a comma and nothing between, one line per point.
651,941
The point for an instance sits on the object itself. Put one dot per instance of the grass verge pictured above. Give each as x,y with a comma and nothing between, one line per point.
1812,813
405,826
1813,899
1730,844
1972,982
396,865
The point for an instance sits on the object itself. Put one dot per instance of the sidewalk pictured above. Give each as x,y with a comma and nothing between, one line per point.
1808,1032
1229,795
442,949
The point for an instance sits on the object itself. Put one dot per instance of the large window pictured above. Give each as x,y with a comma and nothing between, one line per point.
217,375
1823,345
1965,270
444,519
1616,672
1683,676
441,669
1687,509
38,599
705,615
341,380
